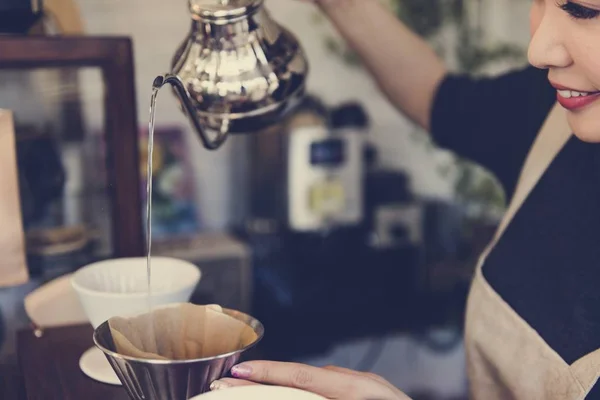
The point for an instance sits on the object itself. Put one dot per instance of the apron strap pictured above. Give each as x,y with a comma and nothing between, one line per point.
13,265
552,137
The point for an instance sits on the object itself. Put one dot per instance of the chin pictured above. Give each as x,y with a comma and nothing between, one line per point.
586,124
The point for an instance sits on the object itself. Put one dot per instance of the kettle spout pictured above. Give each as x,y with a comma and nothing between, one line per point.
190,110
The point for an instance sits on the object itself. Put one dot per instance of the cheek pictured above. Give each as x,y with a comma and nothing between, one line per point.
584,49
593,55
585,125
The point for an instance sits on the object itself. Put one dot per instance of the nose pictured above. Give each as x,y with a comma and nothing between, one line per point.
546,49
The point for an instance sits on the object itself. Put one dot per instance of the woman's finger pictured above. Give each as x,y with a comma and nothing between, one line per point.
368,375
225,383
348,371
342,370
324,382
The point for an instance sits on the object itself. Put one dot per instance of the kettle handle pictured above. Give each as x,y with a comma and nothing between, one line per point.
184,96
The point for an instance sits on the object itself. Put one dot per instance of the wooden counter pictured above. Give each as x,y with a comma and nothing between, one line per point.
49,367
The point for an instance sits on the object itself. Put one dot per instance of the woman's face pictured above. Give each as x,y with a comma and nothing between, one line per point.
565,39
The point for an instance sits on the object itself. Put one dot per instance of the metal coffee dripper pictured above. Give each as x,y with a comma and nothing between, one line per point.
237,71
171,380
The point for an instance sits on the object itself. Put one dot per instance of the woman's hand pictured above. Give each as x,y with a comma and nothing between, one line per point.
330,382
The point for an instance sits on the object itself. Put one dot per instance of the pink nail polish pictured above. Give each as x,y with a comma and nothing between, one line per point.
241,371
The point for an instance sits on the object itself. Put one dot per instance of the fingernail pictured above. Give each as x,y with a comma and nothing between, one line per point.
216,385
241,371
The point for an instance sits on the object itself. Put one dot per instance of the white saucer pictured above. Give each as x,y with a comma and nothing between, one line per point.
94,364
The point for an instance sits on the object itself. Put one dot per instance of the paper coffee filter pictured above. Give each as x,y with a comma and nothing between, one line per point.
225,334
180,332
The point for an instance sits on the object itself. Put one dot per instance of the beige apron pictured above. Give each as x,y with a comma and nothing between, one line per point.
13,267
506,358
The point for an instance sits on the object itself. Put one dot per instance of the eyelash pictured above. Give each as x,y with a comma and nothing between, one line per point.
578,11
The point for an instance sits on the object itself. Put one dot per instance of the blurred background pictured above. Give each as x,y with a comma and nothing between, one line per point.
381,288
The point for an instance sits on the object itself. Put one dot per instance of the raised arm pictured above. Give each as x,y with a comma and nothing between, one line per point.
403,64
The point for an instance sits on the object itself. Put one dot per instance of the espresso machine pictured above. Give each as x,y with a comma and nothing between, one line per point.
324,178
306,175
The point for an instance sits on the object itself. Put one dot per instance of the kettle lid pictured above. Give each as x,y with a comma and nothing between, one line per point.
212,10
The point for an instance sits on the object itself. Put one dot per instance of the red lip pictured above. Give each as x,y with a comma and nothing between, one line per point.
576,103
559,87
562,87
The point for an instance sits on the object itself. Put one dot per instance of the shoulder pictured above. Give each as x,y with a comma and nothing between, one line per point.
515,103
529,77
525,92
492,121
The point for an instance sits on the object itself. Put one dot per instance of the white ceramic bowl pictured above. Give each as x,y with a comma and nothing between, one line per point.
258,392
119,287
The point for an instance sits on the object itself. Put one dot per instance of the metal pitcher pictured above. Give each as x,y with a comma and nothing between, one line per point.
237,71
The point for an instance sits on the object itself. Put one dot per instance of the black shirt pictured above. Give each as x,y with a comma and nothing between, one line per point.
546,265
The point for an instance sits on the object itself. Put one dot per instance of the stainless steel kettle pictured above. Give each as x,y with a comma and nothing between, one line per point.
237,71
